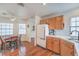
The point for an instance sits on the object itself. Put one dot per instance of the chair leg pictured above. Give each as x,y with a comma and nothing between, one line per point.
10,45
1,47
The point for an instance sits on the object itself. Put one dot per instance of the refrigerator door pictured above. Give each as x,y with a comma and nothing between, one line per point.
41,35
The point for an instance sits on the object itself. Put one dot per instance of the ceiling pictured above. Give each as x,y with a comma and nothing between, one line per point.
32,9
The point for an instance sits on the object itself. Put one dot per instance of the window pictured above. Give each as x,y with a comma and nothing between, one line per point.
6,28
22,29
74,25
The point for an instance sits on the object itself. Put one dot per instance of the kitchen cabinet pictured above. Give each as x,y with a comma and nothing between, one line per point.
51,23
55,23
43,21
67,48
59,22
60,46
53,44
49,43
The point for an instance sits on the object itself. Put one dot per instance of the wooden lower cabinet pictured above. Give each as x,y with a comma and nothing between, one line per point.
53,44
62,47
49,43
67,48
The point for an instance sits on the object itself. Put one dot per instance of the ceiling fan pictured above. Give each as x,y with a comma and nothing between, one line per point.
9,14
20,4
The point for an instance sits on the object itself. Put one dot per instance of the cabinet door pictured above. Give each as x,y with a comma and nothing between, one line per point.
67,48
49,43
51,23
59,22
43,21
55,45
59,19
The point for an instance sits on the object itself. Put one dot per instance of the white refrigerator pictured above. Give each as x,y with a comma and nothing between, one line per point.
42,32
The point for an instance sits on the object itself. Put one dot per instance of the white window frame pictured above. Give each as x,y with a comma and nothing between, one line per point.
75,25
22,30
5,29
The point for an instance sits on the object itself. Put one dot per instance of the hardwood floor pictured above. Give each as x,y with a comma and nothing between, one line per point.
30,50
36,51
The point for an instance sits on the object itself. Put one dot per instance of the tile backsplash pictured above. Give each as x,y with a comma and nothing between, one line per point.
51,32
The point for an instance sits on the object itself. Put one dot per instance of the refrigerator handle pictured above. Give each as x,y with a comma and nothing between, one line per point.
44,33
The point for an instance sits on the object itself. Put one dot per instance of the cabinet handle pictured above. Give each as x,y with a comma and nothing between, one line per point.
63,24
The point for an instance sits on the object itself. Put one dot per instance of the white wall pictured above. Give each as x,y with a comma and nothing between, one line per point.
32,21
37,22
30,32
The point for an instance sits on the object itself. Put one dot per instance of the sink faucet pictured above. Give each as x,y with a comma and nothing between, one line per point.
75,31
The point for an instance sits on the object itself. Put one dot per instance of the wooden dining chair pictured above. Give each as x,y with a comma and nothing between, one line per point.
6,43
1,43
19,41
14,41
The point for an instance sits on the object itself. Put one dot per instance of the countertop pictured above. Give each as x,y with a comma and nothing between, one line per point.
66,38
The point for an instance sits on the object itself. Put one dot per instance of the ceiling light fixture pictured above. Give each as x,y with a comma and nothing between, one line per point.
44,3
13,19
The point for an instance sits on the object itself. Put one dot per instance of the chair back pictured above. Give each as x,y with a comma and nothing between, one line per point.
1,41
14,38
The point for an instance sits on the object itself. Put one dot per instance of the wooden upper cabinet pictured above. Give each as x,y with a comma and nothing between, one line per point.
51,23
59,22
55,23
43,21
59,19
